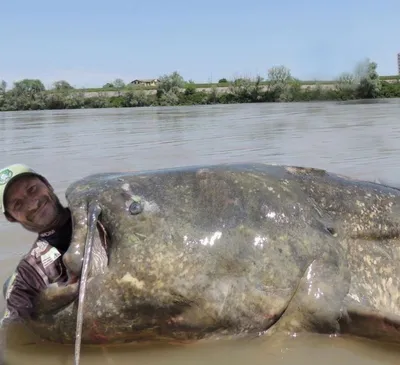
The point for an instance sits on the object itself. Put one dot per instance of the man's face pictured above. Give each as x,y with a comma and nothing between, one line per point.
32,203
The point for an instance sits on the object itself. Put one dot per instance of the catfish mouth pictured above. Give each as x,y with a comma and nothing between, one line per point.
100,259
177,327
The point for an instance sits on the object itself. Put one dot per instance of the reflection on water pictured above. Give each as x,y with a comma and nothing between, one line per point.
354,139
283,351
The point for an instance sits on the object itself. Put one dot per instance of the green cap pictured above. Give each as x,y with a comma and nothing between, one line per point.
9,173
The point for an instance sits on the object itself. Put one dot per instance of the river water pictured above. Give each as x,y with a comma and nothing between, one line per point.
360,140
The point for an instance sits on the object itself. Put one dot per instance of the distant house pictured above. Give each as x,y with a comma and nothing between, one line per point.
146,82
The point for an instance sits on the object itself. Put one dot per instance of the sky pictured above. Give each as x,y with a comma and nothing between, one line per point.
89,43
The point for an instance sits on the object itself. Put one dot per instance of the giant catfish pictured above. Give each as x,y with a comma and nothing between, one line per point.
231,250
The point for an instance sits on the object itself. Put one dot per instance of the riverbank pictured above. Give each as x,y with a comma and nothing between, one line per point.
222,86
173,90
240,93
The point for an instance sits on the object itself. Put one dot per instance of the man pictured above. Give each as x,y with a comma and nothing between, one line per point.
27,197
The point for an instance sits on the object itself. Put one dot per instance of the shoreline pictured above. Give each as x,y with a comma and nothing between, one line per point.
112,91
220,89
30,95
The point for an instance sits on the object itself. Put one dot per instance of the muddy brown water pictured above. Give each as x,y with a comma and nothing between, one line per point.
360,140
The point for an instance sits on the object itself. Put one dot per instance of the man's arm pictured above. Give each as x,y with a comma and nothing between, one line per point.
19,296
19,299
27,297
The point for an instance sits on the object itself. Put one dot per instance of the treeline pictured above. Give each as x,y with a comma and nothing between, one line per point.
280,86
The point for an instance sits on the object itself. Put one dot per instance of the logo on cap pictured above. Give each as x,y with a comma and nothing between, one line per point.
5,176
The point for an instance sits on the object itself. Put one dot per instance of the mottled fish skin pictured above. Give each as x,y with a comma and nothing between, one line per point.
233,249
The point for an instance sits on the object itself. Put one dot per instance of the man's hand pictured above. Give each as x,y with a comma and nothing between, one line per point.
72,278
55,297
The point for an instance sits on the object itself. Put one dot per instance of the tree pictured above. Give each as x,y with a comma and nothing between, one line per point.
345,86
279,75
119,83
3,86
222,81
246,89
28,87
170,84
364,83
279,78
190,88
346,79
369,85
62,85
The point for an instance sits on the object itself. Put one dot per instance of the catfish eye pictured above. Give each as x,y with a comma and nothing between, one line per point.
136,206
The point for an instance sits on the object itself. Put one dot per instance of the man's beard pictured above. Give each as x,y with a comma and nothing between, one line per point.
58,217
44,200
